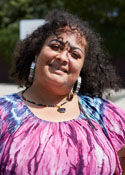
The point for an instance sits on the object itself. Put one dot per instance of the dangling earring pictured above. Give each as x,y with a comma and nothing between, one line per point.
78,85
70,96
31,74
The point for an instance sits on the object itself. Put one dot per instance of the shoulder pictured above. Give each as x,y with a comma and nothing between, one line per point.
11,112
103,106
92,101
7,103
7,100
94,106
110,115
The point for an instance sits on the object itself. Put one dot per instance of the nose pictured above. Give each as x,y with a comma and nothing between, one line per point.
63,56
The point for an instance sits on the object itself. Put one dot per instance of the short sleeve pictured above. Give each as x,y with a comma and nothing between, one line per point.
115,123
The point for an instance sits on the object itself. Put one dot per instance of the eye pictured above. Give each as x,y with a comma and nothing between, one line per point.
75,55
55,46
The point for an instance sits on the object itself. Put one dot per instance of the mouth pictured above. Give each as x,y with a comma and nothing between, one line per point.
58,68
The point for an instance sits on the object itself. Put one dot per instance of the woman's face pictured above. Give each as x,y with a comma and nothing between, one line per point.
60,60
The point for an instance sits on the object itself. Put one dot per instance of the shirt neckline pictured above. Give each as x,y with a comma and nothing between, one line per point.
47,121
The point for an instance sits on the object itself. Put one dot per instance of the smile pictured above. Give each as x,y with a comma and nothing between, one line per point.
58,68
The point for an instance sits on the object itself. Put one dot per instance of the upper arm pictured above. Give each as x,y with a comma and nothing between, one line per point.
115,124
121,155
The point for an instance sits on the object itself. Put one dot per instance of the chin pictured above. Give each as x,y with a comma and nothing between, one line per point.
59,83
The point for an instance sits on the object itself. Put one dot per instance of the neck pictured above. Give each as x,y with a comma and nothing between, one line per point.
44,96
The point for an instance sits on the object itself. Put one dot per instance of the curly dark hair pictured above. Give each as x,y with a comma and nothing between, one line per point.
98,75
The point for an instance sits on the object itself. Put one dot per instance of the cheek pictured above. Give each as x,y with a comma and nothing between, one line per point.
45,54
76,66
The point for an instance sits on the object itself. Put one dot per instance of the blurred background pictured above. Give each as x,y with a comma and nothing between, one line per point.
107,17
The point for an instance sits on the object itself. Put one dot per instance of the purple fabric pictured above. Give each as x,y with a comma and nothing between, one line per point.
32,146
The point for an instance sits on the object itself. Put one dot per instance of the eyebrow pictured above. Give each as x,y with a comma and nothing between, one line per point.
72,47
62,43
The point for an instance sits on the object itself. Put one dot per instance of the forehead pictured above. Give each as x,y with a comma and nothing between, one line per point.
73,37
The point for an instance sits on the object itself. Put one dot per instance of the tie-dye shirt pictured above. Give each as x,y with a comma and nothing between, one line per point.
32,146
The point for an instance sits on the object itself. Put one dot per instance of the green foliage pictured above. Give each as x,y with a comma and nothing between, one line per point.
106,16
8,39
114,40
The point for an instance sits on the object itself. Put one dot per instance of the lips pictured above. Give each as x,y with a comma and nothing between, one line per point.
58,68
64,70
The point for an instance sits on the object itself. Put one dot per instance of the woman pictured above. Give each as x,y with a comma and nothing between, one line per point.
49,128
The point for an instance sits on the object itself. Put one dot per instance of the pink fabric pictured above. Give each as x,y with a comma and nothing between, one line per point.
31,146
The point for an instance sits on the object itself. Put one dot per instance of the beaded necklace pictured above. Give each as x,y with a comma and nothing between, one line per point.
59,107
